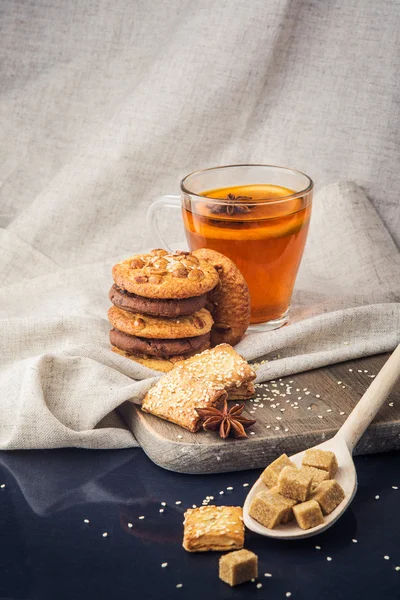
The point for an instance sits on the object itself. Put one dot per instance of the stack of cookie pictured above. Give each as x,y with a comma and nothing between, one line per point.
158,316
168,307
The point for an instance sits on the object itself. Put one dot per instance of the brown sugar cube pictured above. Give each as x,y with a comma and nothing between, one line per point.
321,459
270,475
317,475
308,514
289,502
238,567
269,509
213,528
292,483
329,494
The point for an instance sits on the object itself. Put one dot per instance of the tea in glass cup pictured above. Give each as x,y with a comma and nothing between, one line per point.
258,216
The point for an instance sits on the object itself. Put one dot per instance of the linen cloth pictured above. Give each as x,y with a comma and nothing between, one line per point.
103,105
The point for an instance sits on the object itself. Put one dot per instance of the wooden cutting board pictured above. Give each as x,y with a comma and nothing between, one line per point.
293,413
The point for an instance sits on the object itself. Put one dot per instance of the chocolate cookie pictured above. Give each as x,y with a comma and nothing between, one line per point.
154,306
157,364
229,301
147,326
157,347
163,275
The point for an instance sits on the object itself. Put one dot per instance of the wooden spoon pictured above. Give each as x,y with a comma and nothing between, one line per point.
342,444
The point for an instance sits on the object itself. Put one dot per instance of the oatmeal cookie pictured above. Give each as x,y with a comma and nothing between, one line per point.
229,301
162,275
146,326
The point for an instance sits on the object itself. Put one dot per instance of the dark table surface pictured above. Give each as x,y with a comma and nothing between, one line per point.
47,550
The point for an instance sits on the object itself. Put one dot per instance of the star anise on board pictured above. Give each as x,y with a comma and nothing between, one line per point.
227,421
230,208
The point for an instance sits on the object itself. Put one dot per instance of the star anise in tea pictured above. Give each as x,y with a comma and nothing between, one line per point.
231,207
228,421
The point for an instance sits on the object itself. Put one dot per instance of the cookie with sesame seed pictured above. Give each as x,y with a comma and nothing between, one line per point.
163,275
198,382
216,528
147,326
229,301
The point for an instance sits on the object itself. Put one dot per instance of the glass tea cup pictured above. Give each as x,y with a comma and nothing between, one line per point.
258,216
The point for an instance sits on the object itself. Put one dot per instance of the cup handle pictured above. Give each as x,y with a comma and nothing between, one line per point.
152,221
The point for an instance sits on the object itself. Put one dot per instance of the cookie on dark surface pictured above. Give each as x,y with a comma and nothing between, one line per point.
229,301
155,306
163,275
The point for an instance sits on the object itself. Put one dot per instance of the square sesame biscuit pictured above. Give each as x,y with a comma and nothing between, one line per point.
221,365
199,382
213,528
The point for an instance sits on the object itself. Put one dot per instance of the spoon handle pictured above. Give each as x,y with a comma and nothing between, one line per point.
366,409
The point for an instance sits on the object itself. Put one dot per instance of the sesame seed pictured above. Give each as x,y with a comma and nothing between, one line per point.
341,413
252,580
317,396
105,534
179,585
180,437
391,403
267,574
86,521
2,486
221,492
351,370
329,558
245,485
141,518
161,510
397,568
376,497
354,541
320,416
252,433
259,585
194,506
218,458
394,487
229,488
318,547
386,557
288,594
164,565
